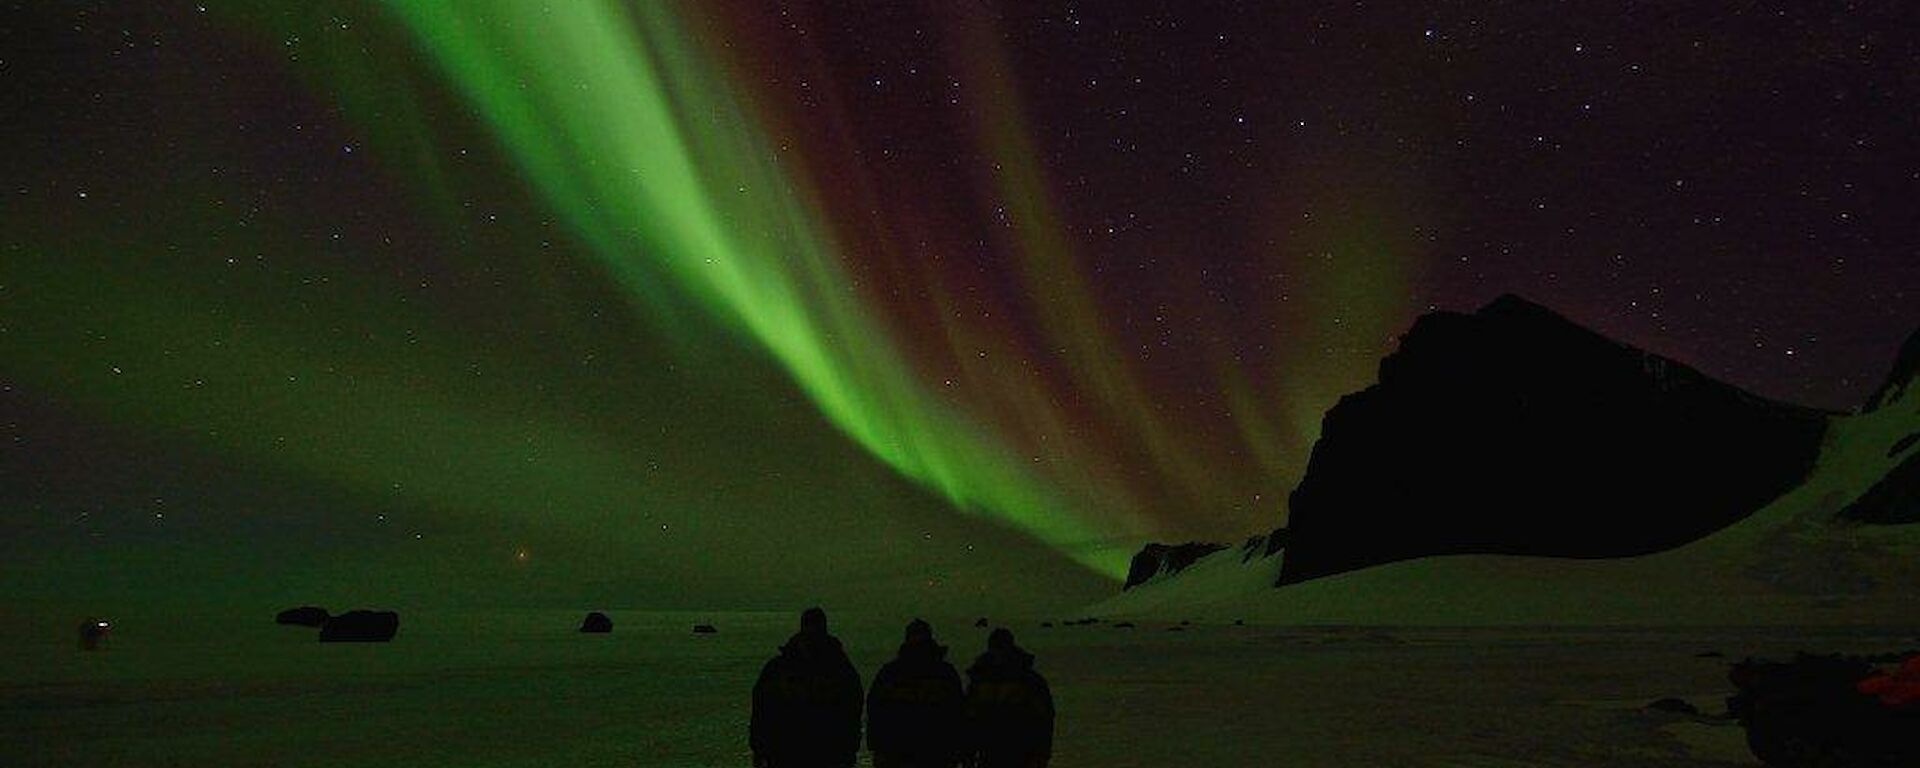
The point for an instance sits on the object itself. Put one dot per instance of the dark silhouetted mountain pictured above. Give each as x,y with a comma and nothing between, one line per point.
1512,430
1166,559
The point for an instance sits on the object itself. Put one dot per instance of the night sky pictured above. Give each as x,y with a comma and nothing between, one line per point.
909,295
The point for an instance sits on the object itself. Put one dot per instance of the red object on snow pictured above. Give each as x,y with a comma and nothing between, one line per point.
1898,689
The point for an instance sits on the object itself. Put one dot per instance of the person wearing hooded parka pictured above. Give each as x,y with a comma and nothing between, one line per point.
914,706
1009,708
806,703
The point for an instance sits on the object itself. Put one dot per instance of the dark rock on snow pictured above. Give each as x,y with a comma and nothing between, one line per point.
1906,368
596,623
1892,501
1515,431
303,616
360,627
1264,545
1896,498
1674,706
1163,559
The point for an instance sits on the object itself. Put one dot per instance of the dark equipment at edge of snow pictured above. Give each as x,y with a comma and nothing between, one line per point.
1812,712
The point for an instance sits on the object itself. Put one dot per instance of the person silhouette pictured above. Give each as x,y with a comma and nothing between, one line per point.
1009,708
914,706
806,703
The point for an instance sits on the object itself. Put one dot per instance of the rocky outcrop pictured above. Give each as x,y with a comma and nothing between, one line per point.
1895,500
303,616
1165,560
1512,430
360,627
1264,545
1906,368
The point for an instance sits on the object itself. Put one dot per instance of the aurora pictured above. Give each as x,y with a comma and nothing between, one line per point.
636,141
637,277
698,382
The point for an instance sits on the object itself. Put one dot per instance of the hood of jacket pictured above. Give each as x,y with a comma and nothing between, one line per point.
922,652
804,646
1013,659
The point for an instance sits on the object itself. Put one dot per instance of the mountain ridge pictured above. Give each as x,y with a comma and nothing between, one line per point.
1798,557
1513,430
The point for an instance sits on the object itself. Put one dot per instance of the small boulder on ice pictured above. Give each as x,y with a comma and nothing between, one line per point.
360,627
303,616
1156,560
1673,705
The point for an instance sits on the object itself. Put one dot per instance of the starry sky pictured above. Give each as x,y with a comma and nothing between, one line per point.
597,296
